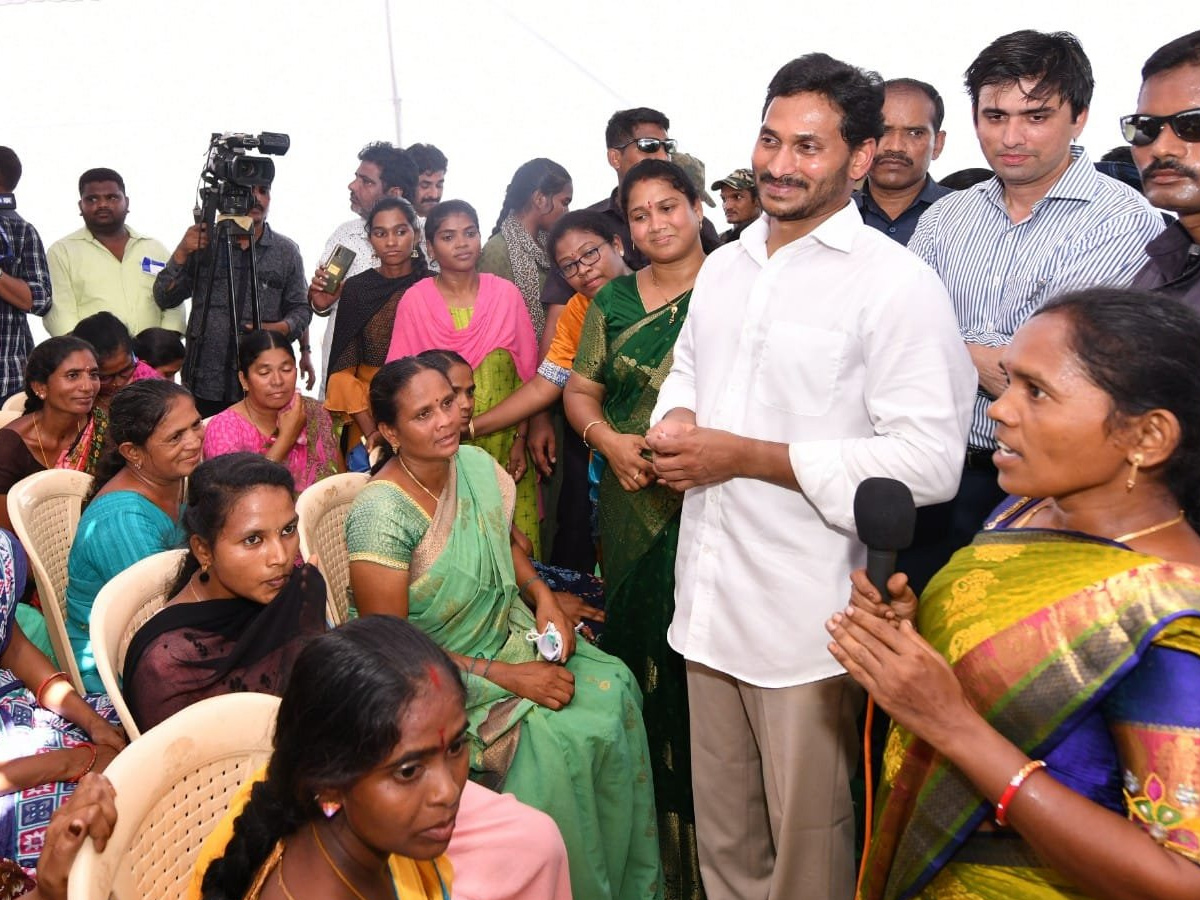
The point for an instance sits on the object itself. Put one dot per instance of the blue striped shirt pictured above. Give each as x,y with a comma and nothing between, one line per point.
1088,230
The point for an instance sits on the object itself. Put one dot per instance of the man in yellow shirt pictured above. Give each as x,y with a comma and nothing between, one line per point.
106,265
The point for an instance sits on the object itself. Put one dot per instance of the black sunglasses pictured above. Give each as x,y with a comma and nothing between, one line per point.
650,145
1142,131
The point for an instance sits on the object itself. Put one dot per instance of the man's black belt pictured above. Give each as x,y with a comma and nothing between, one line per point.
980,460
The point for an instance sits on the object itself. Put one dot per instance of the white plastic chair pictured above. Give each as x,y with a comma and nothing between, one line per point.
44,509
323,508
15,403
173,785
123,606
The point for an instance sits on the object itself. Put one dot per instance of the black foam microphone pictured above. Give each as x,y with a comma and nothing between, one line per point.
885,516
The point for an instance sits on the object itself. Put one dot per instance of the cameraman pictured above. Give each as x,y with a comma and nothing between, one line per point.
24,279
210,371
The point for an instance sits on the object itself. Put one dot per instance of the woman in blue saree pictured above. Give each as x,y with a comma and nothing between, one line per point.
1047,723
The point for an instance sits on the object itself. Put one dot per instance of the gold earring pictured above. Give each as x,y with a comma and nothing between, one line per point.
1133,471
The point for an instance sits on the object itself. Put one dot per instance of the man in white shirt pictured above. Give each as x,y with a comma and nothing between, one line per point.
383,171
816,353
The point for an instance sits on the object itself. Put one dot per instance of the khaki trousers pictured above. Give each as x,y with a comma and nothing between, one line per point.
771,774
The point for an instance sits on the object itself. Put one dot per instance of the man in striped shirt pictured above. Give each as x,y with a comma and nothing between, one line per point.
1046,223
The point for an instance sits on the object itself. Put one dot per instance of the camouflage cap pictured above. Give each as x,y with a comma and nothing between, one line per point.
695,173
738,179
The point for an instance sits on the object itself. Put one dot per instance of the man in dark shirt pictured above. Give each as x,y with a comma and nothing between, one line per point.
1165,133
739,200
24,279
210,368
898,188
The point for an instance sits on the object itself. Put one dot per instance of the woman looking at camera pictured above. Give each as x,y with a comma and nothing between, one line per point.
482,318
363,328
625,353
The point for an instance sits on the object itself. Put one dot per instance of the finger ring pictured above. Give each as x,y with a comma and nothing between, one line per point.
637,477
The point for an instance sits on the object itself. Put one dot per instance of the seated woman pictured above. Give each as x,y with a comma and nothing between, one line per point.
119,365
482,318
580,594
357,795
240,610
429,541
538,195
1046,720
363,328
62,427
50,737
239,617
161,349
133,509
588,254
273,419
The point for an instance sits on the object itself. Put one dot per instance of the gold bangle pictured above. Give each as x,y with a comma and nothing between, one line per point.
586,428
471,427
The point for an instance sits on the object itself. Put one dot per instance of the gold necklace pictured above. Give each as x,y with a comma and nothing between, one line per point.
1133,535
400,459
336,871
283,887
42,450
662,293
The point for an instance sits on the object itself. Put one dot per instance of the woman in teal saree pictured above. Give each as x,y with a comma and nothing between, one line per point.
429,539
1047,724
625,353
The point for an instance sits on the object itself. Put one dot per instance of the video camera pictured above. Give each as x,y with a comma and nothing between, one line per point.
230,175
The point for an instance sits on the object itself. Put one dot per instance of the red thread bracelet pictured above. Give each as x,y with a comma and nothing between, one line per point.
37,695
74,779
1013,786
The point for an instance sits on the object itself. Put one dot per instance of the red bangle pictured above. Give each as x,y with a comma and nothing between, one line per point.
37,695
1013,786
74,779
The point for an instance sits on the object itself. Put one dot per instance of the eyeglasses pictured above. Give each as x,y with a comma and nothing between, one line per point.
586,258
123,375
1142,131
650,145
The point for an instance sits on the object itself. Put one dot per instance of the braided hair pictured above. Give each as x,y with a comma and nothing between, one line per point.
538,176
338,720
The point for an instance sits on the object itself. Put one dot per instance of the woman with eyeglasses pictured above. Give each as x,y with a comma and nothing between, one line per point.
625,352
133,508
119,365
62,428
538,195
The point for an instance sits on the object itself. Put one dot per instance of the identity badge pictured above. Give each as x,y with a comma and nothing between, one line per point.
152,266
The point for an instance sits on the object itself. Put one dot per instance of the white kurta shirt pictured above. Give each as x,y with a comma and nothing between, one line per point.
843,345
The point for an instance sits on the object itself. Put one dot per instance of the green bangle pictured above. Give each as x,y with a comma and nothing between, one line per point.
487,667
526,585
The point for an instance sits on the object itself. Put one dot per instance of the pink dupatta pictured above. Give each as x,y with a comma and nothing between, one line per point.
500,322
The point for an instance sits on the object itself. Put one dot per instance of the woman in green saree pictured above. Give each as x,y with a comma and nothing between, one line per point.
625,352
1047,719
429,540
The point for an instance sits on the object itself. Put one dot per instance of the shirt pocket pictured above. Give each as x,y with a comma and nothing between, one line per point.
799,368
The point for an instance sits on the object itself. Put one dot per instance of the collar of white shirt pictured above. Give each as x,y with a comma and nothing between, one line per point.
837,232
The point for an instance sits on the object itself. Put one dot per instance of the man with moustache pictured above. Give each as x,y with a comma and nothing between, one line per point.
106,265
899,188
1048,222
383,171
816,353
1165,134
739,201
431,166
210,367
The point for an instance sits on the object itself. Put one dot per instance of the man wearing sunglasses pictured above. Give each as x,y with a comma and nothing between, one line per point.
1048,222
1165,134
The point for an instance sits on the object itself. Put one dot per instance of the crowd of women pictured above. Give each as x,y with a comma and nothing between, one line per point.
1060,645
